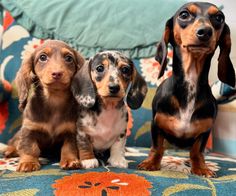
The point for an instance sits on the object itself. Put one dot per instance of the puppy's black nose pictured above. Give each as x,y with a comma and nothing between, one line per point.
114,88
204,33
57,75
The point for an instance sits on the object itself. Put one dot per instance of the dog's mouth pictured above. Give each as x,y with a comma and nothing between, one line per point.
202,48
111,101
56,85
112,97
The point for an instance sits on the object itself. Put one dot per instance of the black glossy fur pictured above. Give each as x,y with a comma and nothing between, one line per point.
184,108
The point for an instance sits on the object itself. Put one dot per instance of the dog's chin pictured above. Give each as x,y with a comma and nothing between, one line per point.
111,100
56,85
198,48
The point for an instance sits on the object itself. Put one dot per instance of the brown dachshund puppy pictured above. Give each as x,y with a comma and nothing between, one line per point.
101,87
49,112
184,108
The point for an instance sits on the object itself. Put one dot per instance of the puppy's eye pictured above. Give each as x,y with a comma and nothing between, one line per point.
100,68
43,57
68,58
126,70
184,15
219,18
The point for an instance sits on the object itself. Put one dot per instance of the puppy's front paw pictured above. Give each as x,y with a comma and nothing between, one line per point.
119,162
28,166
70,164
149,165
89,163
206,172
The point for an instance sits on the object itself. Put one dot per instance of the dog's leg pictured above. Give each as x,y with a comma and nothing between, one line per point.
69,153
153,162
86,154
117,151
197,158
29,151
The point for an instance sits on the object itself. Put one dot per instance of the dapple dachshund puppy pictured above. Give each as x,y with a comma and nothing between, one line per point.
184,108
49,112
100,88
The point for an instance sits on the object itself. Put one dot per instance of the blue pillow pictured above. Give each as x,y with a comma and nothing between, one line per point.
133,27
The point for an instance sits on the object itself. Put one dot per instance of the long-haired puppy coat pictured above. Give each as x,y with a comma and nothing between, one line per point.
100,87
184,108
49,111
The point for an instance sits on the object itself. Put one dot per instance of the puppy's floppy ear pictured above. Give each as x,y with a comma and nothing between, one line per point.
24,80
226,71
137,91
162,46
82,86
79,59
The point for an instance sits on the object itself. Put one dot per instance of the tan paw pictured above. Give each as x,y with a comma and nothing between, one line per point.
149,165
70,164
203,172
28,166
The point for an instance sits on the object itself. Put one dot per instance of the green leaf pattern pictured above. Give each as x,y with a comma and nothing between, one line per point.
25,192
182,187
45,172
144,129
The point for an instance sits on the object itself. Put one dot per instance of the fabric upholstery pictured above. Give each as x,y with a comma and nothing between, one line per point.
92,26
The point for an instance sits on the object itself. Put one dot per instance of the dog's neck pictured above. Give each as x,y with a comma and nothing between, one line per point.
110,103
190,73
56,98
194,66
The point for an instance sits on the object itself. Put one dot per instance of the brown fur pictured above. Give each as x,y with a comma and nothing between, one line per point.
49,113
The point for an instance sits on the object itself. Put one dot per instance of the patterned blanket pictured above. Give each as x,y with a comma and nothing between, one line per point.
173,178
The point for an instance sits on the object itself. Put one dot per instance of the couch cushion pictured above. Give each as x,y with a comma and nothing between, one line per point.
224,137
174,178
91,26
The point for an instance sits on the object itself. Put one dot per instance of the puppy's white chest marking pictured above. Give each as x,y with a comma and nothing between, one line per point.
106,130
186,113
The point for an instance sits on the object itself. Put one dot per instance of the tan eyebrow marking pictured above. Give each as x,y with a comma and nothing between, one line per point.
105,62
122,63
47,50
212,10
66,51
194,9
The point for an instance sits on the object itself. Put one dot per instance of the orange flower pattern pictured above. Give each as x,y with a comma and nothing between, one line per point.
102,183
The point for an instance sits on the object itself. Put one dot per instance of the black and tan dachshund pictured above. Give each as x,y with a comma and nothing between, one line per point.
184,108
